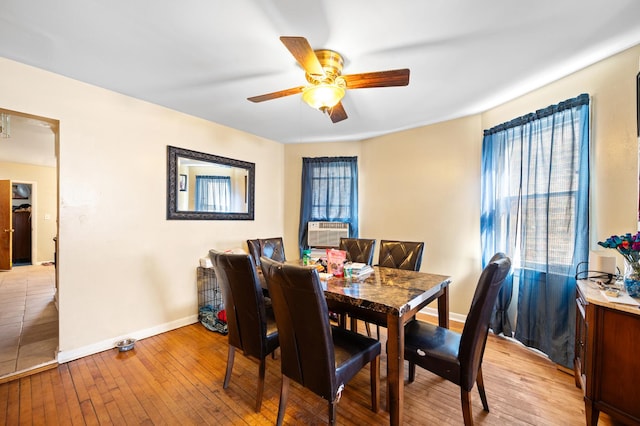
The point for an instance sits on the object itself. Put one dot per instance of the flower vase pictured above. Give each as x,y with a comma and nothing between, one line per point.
632,278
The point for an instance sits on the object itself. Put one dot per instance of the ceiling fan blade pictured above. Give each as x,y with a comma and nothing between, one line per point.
276,95
304,54
338,113
377,79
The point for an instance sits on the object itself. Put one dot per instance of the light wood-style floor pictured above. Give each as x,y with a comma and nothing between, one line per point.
28,318
176,378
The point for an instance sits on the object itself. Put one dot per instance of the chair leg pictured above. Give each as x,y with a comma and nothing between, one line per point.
332,412
354,324
230,358
465,397
483,395
263,361
374,367
368,327
284,395
354,327
412,372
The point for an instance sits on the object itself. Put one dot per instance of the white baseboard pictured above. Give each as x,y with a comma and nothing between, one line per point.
433,312
66,356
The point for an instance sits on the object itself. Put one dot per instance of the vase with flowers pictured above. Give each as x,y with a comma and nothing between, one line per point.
628,246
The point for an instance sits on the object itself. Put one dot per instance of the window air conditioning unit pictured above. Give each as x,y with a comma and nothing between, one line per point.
326,234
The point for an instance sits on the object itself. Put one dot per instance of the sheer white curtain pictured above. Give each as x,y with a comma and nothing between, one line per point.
213,193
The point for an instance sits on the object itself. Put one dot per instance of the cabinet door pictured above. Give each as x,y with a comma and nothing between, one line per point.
581,345
617,373
22,236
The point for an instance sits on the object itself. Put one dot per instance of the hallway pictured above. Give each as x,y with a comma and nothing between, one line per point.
28,319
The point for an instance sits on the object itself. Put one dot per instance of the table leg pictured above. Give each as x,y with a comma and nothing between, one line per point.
443,308
395,368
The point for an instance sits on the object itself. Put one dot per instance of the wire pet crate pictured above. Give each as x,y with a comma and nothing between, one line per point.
210,301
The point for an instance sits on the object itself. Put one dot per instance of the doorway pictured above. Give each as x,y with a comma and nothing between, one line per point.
28,289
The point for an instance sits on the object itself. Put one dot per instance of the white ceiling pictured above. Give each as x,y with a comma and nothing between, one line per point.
205,58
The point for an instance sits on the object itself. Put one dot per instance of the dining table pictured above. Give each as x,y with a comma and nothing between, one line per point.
389,297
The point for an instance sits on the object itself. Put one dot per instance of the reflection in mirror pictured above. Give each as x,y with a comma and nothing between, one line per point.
209,187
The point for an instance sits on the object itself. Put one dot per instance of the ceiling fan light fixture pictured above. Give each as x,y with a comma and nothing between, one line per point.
326,85
323,96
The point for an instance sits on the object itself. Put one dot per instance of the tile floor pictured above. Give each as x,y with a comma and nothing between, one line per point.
28,318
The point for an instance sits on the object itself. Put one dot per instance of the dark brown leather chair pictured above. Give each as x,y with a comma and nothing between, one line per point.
401,254
315,354
252,328
358,249
273,248
458,357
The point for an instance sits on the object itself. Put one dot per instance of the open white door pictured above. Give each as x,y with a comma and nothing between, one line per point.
6,227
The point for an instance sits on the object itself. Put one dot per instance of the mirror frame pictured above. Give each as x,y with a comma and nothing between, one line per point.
172,186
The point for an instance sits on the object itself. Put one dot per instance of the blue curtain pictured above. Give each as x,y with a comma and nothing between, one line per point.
213,193
496,219
535,199
329,193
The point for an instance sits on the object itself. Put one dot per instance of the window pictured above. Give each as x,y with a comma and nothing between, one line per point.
329,193
535,198
213,193
544,206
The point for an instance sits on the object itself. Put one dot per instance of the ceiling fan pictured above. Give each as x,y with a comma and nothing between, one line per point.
327,85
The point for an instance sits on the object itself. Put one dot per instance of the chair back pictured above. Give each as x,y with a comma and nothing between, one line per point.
401,254
243,301
476,326
254,250
358,249
273,248
306,344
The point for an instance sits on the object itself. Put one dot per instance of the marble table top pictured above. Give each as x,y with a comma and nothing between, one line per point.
386,290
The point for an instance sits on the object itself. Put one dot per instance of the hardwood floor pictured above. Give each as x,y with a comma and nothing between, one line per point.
176,378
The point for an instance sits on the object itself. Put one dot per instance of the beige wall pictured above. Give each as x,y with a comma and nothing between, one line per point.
44,210
424,184
123,268
416,185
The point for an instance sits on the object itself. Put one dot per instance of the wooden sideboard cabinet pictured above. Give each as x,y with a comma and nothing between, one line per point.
607,356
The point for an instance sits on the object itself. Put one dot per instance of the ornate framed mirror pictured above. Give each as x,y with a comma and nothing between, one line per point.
203,186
